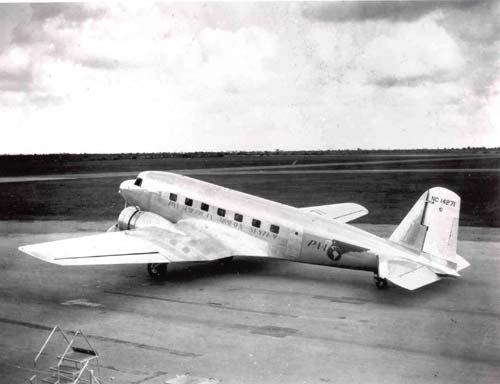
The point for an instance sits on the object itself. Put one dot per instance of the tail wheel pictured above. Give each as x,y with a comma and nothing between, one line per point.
380,283
157,270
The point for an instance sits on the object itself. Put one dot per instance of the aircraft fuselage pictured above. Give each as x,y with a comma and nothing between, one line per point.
289,232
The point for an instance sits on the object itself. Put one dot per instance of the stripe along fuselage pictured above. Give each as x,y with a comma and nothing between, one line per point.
289,232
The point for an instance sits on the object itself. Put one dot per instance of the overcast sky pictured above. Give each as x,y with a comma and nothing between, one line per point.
248,76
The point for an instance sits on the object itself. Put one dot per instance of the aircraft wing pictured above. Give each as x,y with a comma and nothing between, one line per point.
193,240
344,212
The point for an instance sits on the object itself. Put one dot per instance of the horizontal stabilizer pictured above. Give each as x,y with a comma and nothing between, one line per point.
406,274
461,263
343,213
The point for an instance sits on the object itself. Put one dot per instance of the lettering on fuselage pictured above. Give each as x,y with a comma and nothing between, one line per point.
262,233
223,220
231,223
319,245
190,210
447,202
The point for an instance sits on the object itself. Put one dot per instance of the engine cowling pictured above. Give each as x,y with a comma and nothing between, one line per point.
134,218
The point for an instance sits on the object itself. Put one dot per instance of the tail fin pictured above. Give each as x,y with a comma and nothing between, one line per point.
431,226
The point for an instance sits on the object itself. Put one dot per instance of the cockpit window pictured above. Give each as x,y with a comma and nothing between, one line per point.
138,182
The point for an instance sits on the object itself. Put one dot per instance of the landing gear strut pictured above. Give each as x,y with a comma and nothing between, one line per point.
157,271
380,283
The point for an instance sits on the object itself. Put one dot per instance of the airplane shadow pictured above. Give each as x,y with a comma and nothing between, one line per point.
186,272
340,285
349,284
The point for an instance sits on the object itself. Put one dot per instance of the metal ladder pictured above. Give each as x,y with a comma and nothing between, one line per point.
75,365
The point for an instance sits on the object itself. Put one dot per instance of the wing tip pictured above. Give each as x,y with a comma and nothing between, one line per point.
30,250
25,249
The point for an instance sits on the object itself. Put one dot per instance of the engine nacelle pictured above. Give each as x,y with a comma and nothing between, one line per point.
133,218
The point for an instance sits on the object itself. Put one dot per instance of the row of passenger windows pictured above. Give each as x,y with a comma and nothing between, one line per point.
222,212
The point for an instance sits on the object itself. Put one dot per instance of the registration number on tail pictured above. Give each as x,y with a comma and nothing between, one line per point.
447,202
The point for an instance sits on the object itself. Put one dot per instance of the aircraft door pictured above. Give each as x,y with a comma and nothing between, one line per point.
294,243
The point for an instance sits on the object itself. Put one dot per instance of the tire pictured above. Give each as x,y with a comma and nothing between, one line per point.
157,271
381,283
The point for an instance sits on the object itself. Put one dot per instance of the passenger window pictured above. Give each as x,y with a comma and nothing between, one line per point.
188,201
204,207
173,197
238,217
138,182
274,228
256,223
221,212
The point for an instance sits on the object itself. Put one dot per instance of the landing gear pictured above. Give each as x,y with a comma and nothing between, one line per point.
157,271
380,283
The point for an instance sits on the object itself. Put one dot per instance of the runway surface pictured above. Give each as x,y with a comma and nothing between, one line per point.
253,320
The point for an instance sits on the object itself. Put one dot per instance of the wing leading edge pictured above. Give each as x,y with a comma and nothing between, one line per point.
199,241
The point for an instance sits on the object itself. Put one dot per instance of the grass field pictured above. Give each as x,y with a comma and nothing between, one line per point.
21,165
388,196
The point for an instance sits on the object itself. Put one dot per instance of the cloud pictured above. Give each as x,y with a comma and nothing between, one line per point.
411,81
32,35
386,54
477,34
16,70
35,23
236,60
10,17
244,76
422,51
473,25
69,12
21,81
347,11
98,62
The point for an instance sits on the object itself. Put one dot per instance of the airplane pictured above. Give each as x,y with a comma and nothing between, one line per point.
171,218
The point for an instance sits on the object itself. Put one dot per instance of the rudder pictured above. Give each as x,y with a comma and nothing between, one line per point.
431,226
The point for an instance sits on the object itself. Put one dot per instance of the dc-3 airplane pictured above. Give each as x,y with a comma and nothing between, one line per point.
171,218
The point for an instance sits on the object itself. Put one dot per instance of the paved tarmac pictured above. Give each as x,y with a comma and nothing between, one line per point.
252,320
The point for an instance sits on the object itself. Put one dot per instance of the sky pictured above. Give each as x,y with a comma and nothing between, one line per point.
169,77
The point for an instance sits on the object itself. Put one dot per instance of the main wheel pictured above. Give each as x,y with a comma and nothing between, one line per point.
380,283
157,270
